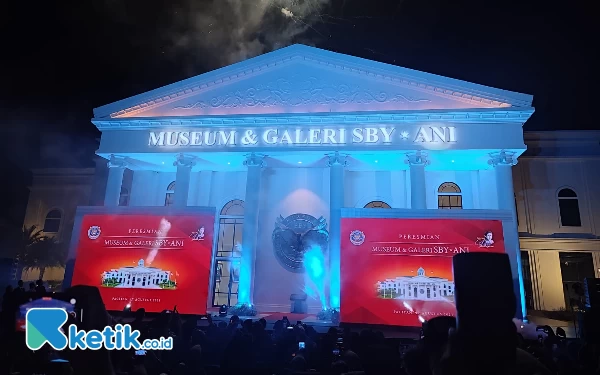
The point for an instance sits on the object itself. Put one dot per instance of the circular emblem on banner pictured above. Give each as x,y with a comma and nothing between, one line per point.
294,236
94,232
357,237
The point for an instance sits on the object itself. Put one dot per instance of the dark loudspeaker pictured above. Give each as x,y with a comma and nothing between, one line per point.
483,291
591,289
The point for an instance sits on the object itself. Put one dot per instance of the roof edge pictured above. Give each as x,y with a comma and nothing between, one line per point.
314,55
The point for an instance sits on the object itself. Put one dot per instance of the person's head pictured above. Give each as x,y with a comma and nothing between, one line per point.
339,367
20,283
247,325
298,363
352,360
198,337
40,282
194,360
489,235
140,314
415,362
435,331
257,328
263,322
32,285
234,320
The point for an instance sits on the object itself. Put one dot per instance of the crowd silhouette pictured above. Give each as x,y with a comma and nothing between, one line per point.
202,346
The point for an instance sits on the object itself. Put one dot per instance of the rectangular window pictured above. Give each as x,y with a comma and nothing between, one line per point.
230,237
52,225
226,283
575,267
229,251
527,285
569,212
450,202
169,199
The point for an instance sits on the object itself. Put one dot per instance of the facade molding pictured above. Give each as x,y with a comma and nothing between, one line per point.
482,116
63,172
566,158
562,244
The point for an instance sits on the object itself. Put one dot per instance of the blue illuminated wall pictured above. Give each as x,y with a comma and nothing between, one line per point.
287,191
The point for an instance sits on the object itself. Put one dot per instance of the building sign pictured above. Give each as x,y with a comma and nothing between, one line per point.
280,136
402,268
154,261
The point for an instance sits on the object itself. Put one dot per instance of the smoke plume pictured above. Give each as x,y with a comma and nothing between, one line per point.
223,32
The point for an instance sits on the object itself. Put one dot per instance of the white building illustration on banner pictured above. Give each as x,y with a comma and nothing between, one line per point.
420,287
140,277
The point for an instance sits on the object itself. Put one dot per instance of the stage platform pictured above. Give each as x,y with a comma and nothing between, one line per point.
322,326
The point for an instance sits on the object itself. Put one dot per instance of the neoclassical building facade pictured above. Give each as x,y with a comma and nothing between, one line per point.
420,287
306,131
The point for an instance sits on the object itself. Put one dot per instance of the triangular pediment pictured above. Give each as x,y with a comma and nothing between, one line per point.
301,79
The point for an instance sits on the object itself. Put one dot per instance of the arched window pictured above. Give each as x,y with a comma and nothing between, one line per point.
568,206
124,197
233,208
52,222
449,196
377,204
170,195
229,252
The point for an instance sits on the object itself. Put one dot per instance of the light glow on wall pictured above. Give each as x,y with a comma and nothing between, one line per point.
245,282
314,264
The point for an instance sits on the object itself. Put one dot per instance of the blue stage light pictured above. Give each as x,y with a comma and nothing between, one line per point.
314,263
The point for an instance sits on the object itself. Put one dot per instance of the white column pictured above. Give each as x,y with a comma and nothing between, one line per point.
184,166
116,168
254,163
503,162
418,190
337,162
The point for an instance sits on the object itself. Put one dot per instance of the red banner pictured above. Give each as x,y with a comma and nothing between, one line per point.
399,271
149,261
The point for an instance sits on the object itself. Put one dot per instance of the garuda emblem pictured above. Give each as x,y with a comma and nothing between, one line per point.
295,235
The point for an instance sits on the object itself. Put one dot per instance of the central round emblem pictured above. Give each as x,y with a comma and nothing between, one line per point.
296,234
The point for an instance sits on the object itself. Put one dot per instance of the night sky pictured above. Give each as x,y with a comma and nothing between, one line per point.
62,59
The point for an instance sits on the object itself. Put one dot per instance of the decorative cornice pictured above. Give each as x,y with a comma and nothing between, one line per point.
336,158
60,172
237,72
255,160
562,244
185,161
116,162
566,158
464,116
297,91
502,158
417,158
